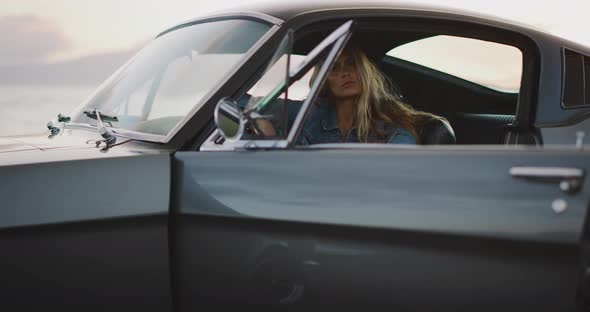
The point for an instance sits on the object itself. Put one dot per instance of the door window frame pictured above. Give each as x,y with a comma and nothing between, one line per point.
335,42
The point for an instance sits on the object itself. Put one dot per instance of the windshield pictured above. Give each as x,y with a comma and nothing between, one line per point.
172,76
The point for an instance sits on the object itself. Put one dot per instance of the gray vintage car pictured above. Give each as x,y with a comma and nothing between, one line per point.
159,193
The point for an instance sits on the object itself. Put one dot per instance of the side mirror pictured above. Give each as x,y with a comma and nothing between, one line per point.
229,119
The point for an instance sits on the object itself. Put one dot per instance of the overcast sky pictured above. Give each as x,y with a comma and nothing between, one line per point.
53,53
61,29
90,34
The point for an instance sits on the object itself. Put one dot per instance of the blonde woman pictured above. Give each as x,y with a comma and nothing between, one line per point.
355,105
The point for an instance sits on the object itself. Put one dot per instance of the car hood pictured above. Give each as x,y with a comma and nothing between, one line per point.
42,142
71,145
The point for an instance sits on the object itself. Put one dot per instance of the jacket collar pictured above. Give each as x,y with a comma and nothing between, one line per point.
329,118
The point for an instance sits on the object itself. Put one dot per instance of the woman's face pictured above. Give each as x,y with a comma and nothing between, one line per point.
343,79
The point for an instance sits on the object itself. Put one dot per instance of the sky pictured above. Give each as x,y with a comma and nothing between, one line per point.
71,42
53,53
65,29
50,31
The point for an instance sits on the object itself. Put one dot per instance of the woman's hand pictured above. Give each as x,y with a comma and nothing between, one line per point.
266,127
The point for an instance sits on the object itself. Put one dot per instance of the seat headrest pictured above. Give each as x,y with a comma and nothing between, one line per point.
437,131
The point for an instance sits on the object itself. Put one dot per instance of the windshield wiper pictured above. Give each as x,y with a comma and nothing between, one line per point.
65,122
93,113
109,138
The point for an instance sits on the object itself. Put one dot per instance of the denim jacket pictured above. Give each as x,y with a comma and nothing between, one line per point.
322,127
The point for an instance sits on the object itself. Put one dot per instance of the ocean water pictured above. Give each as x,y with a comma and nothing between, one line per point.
26,109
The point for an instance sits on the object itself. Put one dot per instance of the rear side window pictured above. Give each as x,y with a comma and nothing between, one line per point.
489,64
576,86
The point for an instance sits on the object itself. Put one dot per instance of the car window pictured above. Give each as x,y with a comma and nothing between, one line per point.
297,91
282,109
171,76
287,104
473,84
493,65
465,98
271,112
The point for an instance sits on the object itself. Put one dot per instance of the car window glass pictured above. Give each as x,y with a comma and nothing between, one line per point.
297,91
170,77
480,110
493,65
282,109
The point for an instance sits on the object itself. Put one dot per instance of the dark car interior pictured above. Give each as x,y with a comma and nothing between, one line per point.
477,114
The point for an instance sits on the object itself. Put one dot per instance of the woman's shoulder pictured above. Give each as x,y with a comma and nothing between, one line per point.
402,136
396,134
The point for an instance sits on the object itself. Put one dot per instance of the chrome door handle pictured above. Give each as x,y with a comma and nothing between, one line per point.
547,172
570,179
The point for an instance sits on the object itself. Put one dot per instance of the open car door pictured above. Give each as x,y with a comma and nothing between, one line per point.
405,227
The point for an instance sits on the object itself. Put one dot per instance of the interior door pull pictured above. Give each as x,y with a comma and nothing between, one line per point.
569,179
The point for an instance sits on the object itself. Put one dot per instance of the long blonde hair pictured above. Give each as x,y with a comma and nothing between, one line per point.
377,102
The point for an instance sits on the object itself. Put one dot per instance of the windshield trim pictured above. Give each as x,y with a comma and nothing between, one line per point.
251,15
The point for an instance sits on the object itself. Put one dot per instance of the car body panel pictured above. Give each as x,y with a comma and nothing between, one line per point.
397,189
247,260
107,264
84,189
74,221
388,214
72,145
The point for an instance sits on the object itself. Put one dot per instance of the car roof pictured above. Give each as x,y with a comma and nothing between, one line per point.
278,12
291,9
288,10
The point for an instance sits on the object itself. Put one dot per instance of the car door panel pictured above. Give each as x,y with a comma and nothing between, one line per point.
396,188
385,224
86,235
229,261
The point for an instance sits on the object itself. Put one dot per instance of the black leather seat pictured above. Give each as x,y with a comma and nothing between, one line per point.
437,132
482,128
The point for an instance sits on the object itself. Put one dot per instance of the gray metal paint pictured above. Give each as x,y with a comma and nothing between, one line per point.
460,191
549,110
347,265
292,10
568,135
70,145
82,188
11,145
